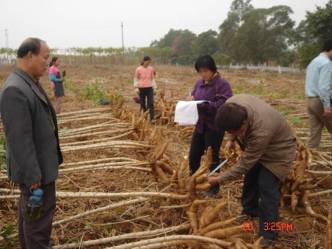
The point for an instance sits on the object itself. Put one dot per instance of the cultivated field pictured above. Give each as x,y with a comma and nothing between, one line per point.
125,183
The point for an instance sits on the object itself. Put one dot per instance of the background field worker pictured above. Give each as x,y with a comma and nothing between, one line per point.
269,149
318,88
57,78
145,84
33,151
214,91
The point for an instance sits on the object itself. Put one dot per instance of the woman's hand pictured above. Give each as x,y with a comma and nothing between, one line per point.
190,98
52,85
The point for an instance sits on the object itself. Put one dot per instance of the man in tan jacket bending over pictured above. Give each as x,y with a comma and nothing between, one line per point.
269,149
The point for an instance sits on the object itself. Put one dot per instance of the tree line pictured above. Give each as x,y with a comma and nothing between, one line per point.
254,36
248,35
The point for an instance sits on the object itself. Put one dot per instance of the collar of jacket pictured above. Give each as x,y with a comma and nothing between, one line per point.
31,83
212,80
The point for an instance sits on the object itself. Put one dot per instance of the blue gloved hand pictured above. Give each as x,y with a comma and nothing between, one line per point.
35,204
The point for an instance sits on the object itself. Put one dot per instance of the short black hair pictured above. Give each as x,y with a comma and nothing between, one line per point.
327,47
146,58
230,117
29,45
206,61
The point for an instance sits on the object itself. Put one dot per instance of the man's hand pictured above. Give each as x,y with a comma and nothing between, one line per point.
214,180
328,112
35,185
230,145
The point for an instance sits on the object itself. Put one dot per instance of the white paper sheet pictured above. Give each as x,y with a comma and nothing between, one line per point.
186,112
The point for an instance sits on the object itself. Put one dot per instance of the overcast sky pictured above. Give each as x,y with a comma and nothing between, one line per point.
82,23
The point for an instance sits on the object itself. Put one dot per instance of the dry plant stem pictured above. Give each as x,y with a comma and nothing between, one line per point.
180,238
92,110
86,128
161,245
97,133
325,192
137,235
319,172
309,209
328,238
101,209
84,119
110,166
113,144
96,140
60,194
99,161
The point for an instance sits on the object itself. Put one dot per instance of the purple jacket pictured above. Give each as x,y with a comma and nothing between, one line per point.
215,92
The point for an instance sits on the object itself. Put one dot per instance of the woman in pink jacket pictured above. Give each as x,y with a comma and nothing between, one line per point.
145,84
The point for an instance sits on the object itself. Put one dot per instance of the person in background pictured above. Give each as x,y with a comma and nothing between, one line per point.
214,91
33,151
56,82
269,149
318,87
145,85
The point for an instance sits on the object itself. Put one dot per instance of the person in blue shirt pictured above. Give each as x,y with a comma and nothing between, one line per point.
318,87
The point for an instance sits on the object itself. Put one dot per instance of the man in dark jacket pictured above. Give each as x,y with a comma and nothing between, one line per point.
33,151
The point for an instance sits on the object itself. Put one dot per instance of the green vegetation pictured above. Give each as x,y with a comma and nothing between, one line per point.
312,32
93,92
7,230
276,40
2,153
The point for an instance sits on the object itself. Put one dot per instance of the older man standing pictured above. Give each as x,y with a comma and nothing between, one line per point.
33,151
318,87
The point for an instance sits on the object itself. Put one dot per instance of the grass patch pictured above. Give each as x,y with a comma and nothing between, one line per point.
3,164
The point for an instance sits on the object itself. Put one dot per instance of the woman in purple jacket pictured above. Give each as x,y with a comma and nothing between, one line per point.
214,91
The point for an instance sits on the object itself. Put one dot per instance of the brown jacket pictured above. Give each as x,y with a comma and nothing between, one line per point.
268,140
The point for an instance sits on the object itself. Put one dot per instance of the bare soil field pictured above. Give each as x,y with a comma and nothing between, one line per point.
125,183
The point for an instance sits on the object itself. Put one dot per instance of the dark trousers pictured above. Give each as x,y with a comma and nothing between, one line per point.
36,234
146,95
199,143
261,197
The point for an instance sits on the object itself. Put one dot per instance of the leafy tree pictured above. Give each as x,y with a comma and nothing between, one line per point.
206,43
250,35
230,27
264,35
180,42
312,32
